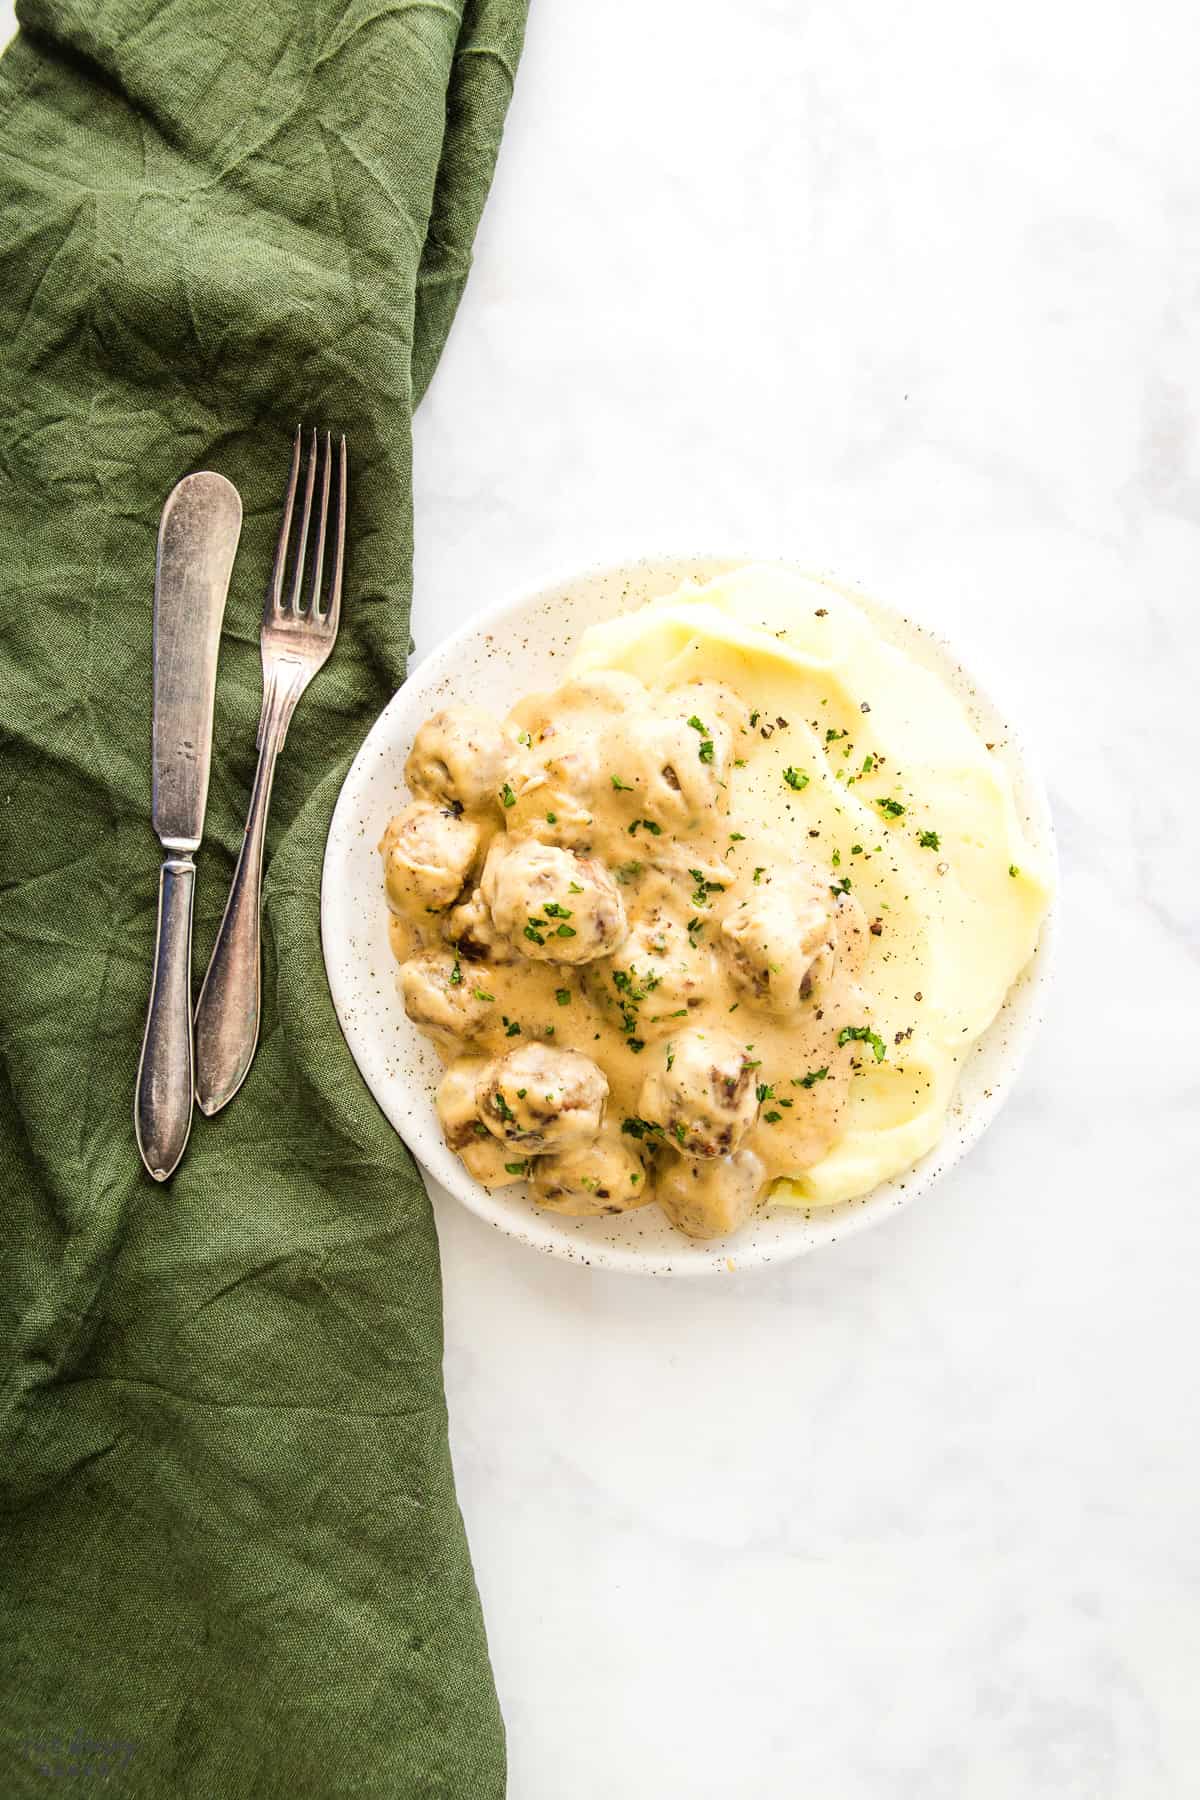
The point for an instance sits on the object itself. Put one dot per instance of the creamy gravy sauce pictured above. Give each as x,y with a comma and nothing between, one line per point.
728,925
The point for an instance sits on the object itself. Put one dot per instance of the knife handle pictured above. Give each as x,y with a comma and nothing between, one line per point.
162,1110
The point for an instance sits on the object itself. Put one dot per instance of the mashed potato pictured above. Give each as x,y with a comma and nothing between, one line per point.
890,786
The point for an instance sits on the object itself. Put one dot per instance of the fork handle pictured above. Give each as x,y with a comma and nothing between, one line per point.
227,1012
162,1108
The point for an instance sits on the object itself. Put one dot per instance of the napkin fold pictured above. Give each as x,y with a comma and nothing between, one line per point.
231,1559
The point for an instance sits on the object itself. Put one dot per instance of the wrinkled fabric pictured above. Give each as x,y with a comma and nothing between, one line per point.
231,1560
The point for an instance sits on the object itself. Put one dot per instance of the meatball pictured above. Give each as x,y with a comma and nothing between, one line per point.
491,1163
555,794
701,1094
605,1176
469,926
553,905
461,756
427,851
781,939
677,764
661,962
538,1099
440,996
711,1199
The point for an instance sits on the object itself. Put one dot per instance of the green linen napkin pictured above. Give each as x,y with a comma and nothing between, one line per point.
231,1560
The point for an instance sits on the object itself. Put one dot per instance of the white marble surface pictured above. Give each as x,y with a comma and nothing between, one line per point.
913,294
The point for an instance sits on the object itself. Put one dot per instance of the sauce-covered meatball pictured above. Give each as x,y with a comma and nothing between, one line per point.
702,1093
489,1161
440,998
665,969
605,1176
462,756
469,925
427,851
552,905
674,755
710,1199
781,939
537,1099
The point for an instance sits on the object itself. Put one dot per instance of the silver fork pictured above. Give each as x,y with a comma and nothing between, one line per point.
297,637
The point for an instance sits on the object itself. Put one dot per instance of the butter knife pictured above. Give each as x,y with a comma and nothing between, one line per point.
197,541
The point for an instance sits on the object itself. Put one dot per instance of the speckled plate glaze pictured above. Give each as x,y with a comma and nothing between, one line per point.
514,649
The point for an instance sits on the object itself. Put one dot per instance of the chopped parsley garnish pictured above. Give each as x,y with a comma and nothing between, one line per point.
507,795
680,1133
671,1051
574,888
565,930
764,1091
646,825
832,736
503,1108
929,840
552,818
694,928
840,887
758,874
892,808
811,1079
456,974
622,787
795,778
636,1044
737,837
772,1118
836,858
868,764
511,1028
532,932
563,996
754,718
482,994
640,1128
521,1168
697,725
1013,869
523,737
554,911
862,1034
706,750
704,888
627,872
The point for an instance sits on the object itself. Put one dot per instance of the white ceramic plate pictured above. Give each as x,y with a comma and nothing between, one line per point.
517,648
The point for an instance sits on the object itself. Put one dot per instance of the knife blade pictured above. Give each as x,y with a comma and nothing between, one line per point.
197,541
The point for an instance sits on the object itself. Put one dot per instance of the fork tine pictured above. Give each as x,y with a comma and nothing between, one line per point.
334,610
275,585
302,544
314,603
